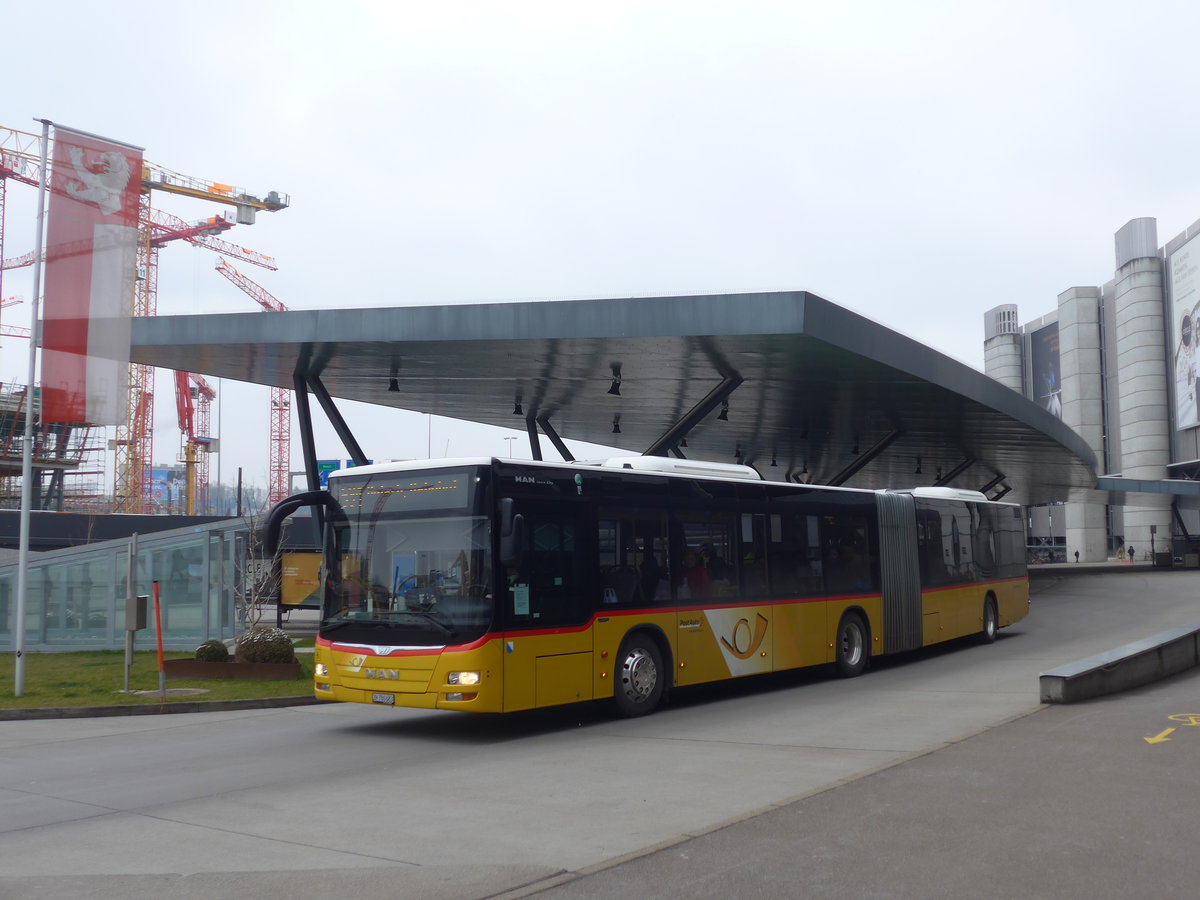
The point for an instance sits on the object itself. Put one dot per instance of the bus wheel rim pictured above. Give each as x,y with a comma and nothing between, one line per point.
639,675
852,644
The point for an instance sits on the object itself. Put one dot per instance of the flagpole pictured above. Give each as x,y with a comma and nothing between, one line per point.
27,450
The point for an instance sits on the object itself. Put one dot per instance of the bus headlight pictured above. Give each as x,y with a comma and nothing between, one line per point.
321,670
462,678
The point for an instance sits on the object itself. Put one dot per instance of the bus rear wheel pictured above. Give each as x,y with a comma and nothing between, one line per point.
851,646
991,621
639,676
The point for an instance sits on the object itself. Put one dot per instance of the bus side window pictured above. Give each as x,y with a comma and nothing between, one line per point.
753,554
632,559
796,567
712,538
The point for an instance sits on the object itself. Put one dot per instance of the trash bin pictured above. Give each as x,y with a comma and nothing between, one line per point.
1162,559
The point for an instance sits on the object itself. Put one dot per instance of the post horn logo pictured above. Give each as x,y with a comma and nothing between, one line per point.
746,641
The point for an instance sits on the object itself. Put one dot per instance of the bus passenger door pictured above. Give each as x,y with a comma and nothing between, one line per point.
547,645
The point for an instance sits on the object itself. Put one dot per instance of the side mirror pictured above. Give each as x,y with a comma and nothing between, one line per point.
512,534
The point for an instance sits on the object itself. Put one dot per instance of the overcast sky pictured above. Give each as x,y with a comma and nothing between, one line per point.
916,162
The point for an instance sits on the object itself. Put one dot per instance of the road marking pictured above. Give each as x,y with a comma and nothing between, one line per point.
1160,737
1191,720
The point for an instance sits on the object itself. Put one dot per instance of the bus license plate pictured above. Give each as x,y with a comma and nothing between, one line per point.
386,699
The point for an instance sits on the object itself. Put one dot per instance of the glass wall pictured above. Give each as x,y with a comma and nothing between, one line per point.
76,597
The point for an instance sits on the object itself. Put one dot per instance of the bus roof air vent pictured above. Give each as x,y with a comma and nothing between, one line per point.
690,467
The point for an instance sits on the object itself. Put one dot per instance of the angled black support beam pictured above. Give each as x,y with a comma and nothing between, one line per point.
991,484
865,458
1007,488
308,444
548,430
1179,521
535,444
694,416
336,420
955,472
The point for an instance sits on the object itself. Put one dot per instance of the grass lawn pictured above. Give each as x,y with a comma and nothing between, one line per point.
97,677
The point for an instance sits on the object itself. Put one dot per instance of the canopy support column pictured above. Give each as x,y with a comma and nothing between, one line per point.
955,472
548,430
677,432
864,459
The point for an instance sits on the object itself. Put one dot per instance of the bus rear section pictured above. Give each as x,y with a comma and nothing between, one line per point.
953,566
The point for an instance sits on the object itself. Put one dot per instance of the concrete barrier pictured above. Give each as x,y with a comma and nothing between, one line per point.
1132,665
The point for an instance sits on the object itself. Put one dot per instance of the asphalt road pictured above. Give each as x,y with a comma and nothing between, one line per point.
937,774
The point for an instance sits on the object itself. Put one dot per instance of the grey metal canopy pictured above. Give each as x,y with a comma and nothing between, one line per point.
787,382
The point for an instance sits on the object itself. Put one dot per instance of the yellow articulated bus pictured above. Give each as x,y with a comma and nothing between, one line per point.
495,585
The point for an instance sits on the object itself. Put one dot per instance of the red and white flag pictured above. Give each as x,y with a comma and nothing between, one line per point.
91,267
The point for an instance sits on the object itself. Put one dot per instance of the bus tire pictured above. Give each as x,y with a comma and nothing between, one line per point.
991,621
639,676
851,645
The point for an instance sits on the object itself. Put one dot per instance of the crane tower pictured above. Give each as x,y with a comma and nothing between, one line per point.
281,398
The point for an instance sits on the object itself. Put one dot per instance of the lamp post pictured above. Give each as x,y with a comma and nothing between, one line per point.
510,446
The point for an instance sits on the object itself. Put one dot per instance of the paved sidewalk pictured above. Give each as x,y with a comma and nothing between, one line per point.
1066,802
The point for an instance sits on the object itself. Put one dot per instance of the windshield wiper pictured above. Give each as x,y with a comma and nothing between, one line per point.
431,617
392,618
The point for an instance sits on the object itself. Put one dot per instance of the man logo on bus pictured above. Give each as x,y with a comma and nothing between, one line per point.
745,642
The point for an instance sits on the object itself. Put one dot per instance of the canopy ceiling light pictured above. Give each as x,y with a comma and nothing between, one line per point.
616,424
615,388
723,415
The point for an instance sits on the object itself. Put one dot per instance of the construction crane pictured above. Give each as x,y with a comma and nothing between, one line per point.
20,159
166,228
281,398
12,330
193,403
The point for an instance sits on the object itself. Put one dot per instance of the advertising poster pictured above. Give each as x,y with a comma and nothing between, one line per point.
1047,383
91,264
1185,294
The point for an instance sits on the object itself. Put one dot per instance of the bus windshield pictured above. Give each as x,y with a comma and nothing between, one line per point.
410,562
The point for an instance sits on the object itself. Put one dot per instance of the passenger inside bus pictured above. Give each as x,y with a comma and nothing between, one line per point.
651,574
695,576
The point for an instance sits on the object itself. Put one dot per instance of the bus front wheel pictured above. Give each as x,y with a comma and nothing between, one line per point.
851,646
639,676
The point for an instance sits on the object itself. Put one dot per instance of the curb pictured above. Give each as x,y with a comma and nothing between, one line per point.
183,706
1125,667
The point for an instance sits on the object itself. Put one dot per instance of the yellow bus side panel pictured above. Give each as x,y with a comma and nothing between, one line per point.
716,644
1013,601
957,612
801,634
527,680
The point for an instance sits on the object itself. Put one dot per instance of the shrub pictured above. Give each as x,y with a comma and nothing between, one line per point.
265,645
212,651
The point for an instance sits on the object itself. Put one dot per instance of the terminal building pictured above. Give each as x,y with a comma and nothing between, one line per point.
1117,363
